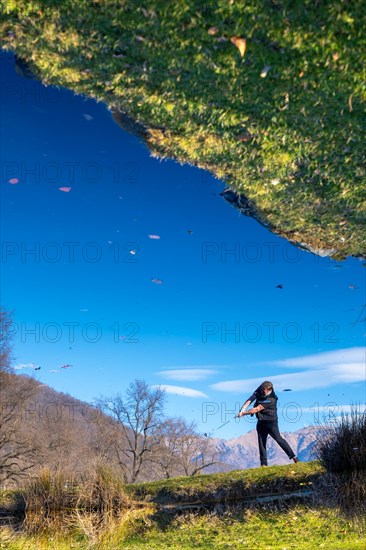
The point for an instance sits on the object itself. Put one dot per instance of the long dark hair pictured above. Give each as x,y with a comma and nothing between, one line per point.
266,385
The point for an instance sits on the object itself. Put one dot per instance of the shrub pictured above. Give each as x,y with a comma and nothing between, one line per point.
343,447
47,497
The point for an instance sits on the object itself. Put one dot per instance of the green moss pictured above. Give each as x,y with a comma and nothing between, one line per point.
237,484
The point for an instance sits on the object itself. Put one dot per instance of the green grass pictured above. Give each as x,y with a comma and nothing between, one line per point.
298,528
303,168
268,526
301,528
228,486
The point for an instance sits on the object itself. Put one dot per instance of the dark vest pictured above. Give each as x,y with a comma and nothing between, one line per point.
270,404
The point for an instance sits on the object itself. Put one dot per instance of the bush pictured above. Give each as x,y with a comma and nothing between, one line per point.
343,447
342,451
47,497
102,491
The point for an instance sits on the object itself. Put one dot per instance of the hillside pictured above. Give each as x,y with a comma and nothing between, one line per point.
55,430
267,96
65,428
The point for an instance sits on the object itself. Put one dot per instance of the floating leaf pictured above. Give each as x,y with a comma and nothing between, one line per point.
240,43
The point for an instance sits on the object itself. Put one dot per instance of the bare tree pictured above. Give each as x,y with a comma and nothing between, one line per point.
18,439
138,415
6,336
168,455
182,451
17,444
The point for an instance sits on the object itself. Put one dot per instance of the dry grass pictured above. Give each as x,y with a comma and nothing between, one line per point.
343,449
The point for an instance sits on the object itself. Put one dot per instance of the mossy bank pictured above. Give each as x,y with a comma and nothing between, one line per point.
266,95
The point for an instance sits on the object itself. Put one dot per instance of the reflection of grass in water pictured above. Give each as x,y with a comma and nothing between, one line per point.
302,160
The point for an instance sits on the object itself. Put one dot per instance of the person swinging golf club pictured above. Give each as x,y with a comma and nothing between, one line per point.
265,409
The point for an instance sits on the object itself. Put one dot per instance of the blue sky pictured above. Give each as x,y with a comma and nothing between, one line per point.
211,325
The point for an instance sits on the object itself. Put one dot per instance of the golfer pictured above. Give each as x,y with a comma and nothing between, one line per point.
265,409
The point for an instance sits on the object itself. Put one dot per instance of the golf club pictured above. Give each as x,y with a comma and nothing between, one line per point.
222,425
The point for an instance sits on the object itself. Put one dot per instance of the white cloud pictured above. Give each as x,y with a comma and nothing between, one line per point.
187,374
21,366
331,368
340,356
179,390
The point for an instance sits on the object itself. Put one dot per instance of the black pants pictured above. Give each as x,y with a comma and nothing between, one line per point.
266,428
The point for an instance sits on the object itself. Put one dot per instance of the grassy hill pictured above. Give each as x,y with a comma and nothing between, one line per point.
266,95
236,515
237,485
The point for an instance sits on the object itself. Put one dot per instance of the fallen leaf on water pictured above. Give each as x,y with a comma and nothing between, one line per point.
265,70
65,189
240,43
